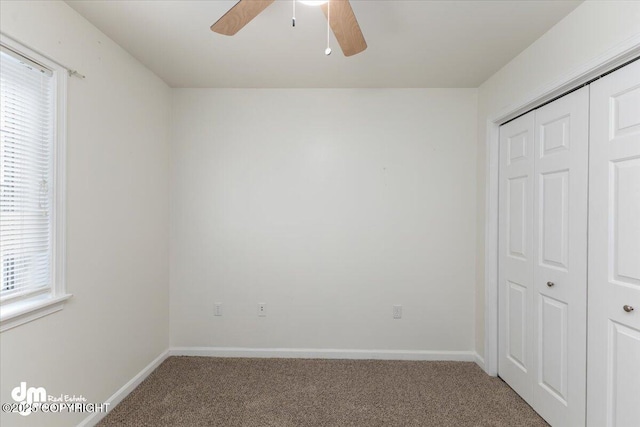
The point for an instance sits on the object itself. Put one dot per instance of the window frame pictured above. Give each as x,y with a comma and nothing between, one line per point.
15,312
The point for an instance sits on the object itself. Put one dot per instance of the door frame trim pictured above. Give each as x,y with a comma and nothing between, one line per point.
588,71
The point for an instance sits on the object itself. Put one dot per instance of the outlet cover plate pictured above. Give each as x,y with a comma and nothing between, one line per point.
397,312
262,309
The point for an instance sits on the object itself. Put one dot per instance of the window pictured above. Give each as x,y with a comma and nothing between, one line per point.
32,91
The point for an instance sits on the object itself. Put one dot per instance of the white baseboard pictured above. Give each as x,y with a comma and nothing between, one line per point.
312,353
124,391
479,360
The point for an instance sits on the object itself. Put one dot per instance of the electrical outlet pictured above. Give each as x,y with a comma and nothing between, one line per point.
397,312
262,309
217,309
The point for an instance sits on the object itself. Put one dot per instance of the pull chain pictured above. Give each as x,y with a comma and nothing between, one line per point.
328,49
293,20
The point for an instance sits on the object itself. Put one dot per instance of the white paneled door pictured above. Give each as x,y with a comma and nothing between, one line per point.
560,259
543,257
515,364
614,250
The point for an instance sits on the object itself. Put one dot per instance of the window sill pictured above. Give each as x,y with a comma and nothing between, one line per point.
21,312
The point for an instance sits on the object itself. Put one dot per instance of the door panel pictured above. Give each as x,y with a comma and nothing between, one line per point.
625,382
553,372
555,136
554,211
515,259
543,254
614,250
517,217
516,333
625,221
560,270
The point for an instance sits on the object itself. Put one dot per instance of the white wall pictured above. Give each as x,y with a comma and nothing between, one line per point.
118,220
585,34
329,206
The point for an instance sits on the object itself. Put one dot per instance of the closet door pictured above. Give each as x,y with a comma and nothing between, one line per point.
543,255
560,259
515,268
614,250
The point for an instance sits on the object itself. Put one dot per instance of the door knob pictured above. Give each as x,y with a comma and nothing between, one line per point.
627,308
550,284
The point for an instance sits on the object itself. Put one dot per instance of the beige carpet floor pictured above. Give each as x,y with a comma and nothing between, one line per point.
202,391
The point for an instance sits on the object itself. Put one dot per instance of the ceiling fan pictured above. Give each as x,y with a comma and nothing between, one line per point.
339,12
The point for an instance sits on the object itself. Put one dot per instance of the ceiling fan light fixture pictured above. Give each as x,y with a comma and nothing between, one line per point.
313,2
340,19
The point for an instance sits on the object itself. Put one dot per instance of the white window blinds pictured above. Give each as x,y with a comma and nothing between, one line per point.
26,175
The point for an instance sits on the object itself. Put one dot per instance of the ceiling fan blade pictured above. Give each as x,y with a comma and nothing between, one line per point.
345,27
239,16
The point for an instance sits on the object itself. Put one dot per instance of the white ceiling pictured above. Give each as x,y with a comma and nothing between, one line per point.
411,43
